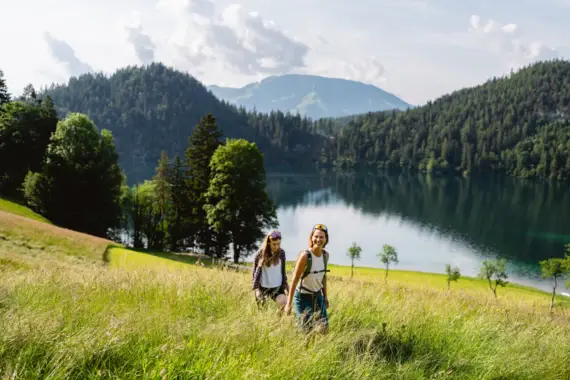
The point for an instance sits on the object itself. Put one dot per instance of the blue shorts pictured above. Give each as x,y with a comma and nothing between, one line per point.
310,308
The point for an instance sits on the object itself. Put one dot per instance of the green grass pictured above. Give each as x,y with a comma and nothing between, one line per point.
15,208
74,306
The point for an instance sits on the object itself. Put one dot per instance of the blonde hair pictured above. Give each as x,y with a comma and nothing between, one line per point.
268,257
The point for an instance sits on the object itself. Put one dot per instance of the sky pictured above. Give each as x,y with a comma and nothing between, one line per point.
418,50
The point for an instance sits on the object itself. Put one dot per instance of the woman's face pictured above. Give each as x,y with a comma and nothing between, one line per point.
319,238
275,245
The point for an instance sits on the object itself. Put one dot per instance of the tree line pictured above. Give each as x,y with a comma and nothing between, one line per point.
518,125
153,108
68,171
212,196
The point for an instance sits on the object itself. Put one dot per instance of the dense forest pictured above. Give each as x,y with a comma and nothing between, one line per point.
67,170
155,108
519,124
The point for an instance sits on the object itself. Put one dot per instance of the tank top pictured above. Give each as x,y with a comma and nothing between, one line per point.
314,281
271,276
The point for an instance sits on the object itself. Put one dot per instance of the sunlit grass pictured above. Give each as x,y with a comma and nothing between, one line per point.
193,322
74,306
15,208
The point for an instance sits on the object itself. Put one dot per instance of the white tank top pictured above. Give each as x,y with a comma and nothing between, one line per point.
271,276
314,281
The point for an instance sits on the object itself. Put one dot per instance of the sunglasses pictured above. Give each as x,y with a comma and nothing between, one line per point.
321,227
275,235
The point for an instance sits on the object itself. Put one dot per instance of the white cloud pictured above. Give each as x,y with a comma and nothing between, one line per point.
241,42
506,40
141,42
65,55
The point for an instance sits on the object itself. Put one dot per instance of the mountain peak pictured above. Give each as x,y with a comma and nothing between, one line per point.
310,95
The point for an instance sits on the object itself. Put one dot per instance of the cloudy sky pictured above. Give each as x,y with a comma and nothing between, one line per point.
416,49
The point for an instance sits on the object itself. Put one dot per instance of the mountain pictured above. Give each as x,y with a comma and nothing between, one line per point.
153,108
518,124
311,96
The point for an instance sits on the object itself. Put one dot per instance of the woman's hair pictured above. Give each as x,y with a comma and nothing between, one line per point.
320,227
267,256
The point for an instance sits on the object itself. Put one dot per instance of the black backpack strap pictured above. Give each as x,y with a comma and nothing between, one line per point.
309,271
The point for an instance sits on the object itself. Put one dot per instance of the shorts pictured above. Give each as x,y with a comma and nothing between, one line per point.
310,308
269,292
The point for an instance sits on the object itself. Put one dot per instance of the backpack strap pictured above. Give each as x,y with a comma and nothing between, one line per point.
308,267
309,264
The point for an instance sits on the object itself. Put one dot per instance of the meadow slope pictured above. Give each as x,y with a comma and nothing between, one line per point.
75,306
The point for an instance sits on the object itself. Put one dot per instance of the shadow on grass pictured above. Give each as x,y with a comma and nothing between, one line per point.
400,345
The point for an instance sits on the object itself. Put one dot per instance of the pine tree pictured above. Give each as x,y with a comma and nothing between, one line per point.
4,95
178,228
202,144
162,189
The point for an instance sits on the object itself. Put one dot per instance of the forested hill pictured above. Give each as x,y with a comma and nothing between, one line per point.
519,124
155,108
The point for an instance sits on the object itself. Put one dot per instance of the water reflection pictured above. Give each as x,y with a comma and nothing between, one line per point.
431,221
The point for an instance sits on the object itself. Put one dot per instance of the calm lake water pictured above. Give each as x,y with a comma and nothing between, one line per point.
430,220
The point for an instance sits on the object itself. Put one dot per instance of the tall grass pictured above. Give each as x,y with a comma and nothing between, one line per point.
65,312
96,322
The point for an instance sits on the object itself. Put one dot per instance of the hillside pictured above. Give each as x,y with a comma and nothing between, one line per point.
519,125
310,95
154,108
75,306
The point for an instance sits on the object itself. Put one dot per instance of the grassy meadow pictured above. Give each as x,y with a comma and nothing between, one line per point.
79,307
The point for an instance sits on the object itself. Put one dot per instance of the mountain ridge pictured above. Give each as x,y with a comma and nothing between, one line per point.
155,108
310,95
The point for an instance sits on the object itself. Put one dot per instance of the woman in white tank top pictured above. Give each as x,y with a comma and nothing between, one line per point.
309,282
269,277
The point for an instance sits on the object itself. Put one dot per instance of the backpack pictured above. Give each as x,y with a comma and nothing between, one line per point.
309,265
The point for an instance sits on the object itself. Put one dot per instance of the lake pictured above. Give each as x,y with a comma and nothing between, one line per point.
429,220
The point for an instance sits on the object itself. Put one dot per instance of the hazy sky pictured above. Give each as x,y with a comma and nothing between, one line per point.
416,49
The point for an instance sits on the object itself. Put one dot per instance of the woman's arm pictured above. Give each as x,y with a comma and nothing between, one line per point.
254,275
297,273
284,283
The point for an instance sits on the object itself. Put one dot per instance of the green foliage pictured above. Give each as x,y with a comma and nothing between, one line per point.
25,130
178,232
388,256
554,268
238,206
163,197
154,108
203,142
4,95
495,271
453,274
79,186
354,254
148,227
517,125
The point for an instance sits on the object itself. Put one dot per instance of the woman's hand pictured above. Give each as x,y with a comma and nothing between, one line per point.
258,293
288,309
